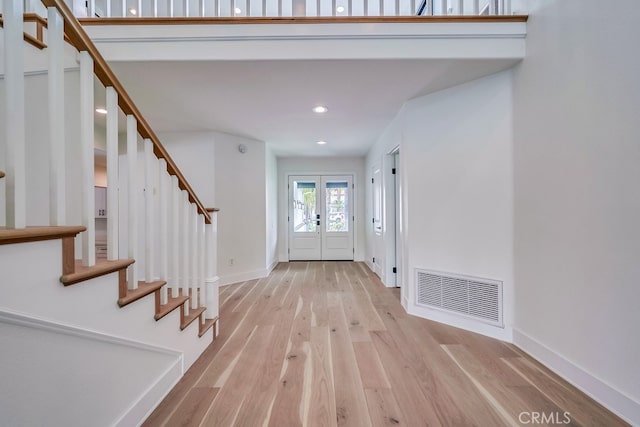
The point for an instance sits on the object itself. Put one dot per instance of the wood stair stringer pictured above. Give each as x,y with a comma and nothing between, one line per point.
186,320
206,325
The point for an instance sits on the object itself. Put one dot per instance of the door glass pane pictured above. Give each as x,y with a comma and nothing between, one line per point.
337,204
304,206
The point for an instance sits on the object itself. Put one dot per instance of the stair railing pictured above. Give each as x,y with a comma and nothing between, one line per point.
179,244
284,8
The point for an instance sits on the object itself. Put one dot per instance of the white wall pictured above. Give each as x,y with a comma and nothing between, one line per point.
322,166
382,247
456,180
234,182
271,203
577,204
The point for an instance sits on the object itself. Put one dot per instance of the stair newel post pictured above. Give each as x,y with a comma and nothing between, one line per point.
193,253
15,160
163,226
185,232
150,211
132,176
57,183
88,174
211,280
201,259
113,183
176,203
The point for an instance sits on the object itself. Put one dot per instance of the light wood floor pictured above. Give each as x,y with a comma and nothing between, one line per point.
325,344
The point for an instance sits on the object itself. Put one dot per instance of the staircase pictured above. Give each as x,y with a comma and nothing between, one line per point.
140,309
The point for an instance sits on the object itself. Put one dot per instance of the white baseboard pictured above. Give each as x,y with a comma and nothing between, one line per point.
272,266
503,334
149,399
243,277
145,405
617,402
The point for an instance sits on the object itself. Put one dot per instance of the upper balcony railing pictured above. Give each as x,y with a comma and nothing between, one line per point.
287,8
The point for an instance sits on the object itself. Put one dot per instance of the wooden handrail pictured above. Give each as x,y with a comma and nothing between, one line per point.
81,41
299,20
28,37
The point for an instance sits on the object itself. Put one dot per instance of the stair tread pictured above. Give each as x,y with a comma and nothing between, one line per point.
208,324
143,290
34,234
101,268
171,305
193,315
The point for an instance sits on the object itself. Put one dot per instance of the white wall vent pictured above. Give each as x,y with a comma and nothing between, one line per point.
473,297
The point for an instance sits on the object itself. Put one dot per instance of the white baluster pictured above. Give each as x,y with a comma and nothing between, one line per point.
350,8
444,5
184,269
476,7
193,252
176,203
163,226
211,281
460,7
201,9
113,183
279,7
15,163
413,7
132,162
57,183
87,144
171,8
91,9
247,5
397,8
381,8
506,7
492,7
264,7
334,6
139,5
154,6
366,7
124,7
108,12
216,7
150,211
201,257
185,8
430,8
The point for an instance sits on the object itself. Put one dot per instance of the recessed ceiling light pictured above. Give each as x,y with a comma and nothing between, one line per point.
320,109
321,142
101,111
237,11
133,11
340,9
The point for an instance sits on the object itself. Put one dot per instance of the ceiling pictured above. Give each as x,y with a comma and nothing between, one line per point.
272,101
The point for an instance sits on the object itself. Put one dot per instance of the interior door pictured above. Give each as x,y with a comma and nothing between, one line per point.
321,218
337,227
304,218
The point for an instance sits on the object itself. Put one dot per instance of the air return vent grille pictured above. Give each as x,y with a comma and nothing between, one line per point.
473,297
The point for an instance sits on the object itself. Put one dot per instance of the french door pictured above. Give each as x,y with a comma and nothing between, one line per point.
321,217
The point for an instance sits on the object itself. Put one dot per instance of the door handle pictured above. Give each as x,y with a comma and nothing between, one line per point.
318,222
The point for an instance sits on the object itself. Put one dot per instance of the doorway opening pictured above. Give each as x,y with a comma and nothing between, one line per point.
320,217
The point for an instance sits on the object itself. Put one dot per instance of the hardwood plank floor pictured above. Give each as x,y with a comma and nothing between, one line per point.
325,344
